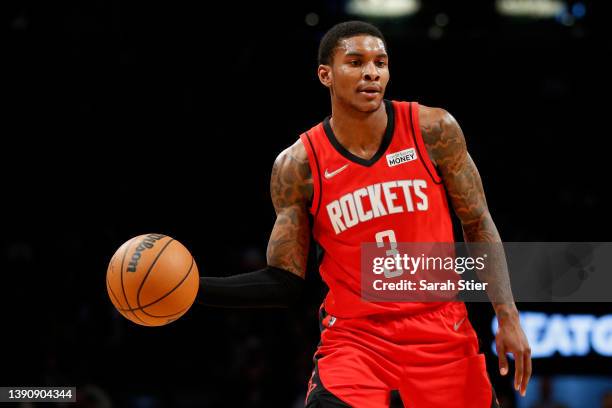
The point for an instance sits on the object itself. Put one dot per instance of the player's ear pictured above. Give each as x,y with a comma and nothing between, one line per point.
325,75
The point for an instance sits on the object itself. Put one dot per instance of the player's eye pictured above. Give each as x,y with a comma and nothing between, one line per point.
380,64
355,63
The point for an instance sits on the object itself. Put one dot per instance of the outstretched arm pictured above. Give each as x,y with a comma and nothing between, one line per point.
446,146
280,283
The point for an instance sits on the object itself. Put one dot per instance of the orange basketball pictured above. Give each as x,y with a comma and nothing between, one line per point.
152,280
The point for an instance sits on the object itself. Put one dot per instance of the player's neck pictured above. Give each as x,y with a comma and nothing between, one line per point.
359,132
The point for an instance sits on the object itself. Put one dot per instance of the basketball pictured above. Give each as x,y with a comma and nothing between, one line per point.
152,280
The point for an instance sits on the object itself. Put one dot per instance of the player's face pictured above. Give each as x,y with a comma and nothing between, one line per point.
359,72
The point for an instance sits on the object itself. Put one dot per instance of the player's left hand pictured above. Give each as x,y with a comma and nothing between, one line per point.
511,339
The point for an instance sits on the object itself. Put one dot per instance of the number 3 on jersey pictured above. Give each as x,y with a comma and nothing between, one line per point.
392,251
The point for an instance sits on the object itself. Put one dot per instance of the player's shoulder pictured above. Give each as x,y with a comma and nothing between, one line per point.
291,179
435,117
436,124
293,155
293,162
441,133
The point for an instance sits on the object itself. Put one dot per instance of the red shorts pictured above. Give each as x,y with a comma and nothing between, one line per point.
431,358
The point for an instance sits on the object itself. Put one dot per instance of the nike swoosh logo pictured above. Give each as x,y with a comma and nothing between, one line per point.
456,326
329,175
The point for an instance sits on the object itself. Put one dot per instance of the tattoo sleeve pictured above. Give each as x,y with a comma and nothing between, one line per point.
446,146
291,189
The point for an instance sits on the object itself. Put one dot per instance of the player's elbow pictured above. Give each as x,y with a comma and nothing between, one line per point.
479,227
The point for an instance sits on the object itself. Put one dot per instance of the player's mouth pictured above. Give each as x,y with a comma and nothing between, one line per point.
370,91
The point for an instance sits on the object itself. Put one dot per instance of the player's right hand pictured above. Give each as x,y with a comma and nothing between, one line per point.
511,339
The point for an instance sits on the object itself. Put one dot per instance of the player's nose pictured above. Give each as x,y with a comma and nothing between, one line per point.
370,72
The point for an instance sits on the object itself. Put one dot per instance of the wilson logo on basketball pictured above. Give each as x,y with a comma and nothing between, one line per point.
146,243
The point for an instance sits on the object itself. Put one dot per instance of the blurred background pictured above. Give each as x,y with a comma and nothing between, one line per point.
126,118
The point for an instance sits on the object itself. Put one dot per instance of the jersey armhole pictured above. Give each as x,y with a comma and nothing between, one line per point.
314,170
413,113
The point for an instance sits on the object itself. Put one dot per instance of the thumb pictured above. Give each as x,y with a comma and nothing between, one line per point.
503,359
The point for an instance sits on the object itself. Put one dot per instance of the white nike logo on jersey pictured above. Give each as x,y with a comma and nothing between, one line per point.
329,175
456,326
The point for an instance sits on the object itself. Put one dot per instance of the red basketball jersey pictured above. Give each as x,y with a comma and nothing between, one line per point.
397,194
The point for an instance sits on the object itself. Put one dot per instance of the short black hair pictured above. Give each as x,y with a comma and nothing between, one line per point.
348,29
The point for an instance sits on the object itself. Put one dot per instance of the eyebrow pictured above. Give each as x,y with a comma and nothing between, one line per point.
358,54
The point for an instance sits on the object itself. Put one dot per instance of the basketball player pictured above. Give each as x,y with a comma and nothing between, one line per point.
426,350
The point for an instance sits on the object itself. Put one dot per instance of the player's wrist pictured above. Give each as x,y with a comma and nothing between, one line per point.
506,312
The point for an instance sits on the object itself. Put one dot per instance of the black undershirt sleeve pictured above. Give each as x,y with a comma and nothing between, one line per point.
265,288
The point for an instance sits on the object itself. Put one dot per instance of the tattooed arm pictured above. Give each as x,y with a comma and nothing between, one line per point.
280,283
447,148
291,189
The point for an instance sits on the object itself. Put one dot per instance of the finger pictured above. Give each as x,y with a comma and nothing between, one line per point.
518,369
503,360
527,372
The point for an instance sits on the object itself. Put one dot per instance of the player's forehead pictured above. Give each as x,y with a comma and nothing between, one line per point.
361,44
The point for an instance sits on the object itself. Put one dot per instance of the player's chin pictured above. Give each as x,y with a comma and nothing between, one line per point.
370,103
